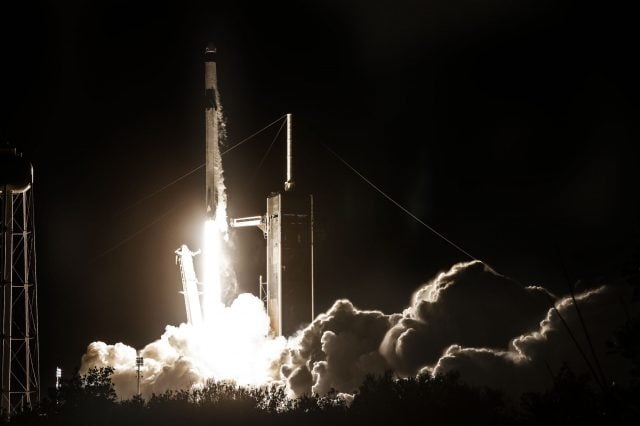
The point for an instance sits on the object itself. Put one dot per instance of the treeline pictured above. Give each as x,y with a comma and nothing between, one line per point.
441,400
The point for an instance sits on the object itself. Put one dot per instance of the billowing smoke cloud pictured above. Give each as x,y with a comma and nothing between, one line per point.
337,350
534,357
235,349
469,305
493,330
471,319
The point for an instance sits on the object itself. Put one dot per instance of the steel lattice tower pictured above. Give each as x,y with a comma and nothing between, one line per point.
20,351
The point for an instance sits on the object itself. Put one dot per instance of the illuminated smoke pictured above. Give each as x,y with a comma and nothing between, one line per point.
235,348
530,359
218,278
337,350
469,319
469,305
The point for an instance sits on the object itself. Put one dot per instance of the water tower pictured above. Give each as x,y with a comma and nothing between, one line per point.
20,356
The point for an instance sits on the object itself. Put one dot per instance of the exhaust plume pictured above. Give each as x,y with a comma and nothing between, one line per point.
470,319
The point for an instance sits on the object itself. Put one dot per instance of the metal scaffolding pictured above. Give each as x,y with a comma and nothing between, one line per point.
20,349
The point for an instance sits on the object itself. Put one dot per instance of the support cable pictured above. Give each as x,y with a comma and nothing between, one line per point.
592,370
253,135
135,234
585,330
583,355
417,219
173,182
201,166
264,157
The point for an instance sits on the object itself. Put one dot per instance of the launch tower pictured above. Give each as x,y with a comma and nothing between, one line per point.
288,229
20,356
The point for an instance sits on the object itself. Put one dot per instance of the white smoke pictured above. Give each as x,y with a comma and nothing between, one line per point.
469,305
337,350
470,319
235,349
533,358
221,189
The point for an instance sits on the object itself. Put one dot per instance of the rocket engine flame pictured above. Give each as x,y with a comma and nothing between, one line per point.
212,265
232,343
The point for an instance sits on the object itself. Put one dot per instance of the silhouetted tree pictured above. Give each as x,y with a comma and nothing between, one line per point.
387,399
439,400
571,400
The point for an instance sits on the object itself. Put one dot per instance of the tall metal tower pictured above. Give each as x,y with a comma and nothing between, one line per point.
288,228
18,295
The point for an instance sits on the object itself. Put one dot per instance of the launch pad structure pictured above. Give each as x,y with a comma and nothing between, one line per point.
287,226
20,351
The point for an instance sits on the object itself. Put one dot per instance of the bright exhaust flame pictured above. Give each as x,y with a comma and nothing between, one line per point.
232,343
229,343
213,262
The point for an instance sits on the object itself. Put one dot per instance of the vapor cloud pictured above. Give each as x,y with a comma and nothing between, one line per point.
534,357
469,305
493,330
337,350
235,349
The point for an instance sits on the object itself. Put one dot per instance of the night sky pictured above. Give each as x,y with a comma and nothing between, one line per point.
508,126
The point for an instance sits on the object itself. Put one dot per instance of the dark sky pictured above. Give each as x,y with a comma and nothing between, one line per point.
508,126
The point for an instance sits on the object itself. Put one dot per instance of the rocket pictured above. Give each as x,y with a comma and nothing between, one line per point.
213,162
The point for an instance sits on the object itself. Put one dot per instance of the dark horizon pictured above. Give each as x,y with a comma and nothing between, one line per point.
509,128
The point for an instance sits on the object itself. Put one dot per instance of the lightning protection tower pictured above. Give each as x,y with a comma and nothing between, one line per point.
288,228
20,356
